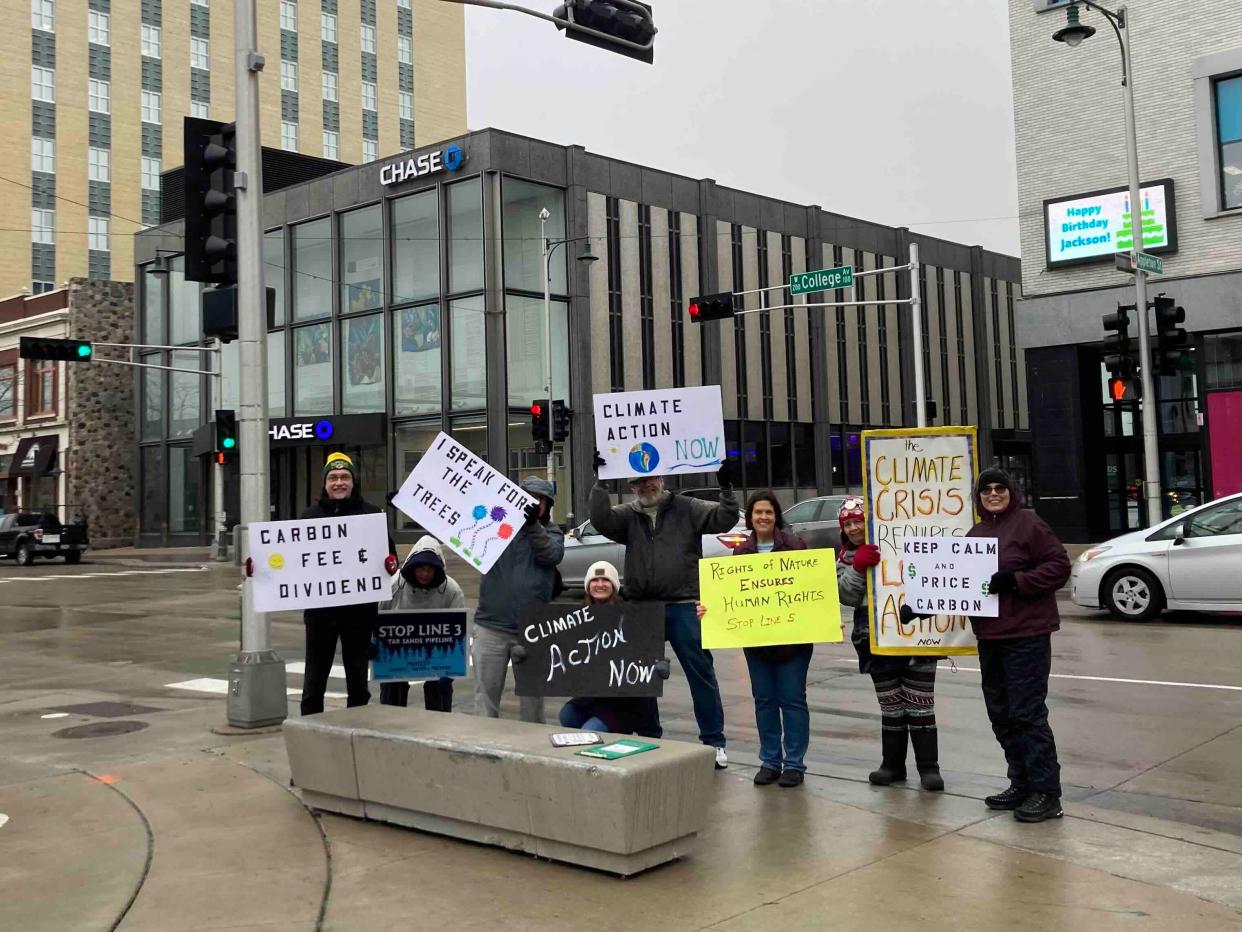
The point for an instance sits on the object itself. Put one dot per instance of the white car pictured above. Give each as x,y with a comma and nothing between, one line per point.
1190,562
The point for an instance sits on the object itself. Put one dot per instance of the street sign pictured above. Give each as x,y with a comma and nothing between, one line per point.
822,280
1130,261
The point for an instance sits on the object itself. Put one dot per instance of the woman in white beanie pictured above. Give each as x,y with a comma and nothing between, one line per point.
619,715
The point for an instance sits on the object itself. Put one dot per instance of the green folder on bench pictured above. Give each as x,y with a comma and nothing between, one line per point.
623,747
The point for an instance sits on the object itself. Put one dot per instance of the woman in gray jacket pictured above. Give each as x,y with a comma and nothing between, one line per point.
424,584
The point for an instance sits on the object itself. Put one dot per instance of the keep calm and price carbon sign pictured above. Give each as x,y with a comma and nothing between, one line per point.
821,280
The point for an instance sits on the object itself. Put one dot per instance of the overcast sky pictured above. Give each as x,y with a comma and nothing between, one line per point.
897,111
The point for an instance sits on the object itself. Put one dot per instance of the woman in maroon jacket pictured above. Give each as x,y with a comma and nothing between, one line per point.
777,674
1015,648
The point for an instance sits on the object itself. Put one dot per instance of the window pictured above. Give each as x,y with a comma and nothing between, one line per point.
184,389
368,150
469,354
99,96
328,27
42,226
1225,518
274,270
200,56
97,233
405,50
38,287
150,41
40,388
329,85
97,164
403,4
184,489
521,202
405,105
288,75
199,109
43,15
331,144
415,250
368,95
362,365
97,28
312,370
1228,94
288,15
367,34
8,391
150,107
42,155
289,136
465,236
276,374
153,307
362,268
43,84
199,2
312,269
526,347
416,365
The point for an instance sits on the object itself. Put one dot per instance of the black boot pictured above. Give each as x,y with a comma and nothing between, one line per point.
438,696
893,747
926,757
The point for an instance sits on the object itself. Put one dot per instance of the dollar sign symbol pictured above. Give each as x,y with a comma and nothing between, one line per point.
910,571
984,587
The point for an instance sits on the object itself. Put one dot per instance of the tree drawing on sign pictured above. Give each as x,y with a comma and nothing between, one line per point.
484,520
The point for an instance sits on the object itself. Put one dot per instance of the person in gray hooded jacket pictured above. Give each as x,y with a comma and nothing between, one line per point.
524,574
424,584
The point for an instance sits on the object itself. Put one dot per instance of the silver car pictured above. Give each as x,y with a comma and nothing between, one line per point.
1190,562
584,545
815,520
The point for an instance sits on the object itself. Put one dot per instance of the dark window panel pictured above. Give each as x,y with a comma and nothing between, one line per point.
42,49
151,12
200,22
288,45
152,141
152,75
98,264
369,69
43,190
99,198
370,124
289,106
331,60
99,63
200,84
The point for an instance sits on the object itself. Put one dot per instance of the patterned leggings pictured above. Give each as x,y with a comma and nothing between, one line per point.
908,696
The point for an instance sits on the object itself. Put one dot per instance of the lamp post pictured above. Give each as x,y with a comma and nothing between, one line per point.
1072,34
547,247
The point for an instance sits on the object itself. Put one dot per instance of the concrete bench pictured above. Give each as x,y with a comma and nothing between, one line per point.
501,782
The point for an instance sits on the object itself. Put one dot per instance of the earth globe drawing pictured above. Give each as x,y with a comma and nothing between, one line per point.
644,457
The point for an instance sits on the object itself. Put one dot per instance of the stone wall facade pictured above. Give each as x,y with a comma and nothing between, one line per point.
102,471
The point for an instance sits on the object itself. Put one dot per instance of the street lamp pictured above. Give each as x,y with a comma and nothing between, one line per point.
1072,34
546,249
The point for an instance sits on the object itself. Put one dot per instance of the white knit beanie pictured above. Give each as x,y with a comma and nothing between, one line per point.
605,569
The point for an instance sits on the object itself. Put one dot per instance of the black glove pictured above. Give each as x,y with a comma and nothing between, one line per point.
1002,582
662,668
726,477
532,512
597,461
907,615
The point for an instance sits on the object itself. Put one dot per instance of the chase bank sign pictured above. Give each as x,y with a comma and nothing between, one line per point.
447,159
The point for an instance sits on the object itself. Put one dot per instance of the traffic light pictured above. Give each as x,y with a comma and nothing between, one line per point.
1171,339
226,434
560,421
1117,358
1126,389
210,204
621,26
56,348
540,423
712,307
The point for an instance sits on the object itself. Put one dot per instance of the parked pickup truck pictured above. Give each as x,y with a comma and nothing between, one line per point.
25,535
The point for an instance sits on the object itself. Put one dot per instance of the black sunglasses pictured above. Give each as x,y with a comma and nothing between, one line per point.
994,489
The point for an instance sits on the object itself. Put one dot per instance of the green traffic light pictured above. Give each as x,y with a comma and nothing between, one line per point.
228,443
84,351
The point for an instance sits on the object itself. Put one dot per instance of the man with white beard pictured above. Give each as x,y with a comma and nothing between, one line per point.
663,537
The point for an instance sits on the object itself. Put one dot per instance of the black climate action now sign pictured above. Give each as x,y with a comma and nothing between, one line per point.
591,650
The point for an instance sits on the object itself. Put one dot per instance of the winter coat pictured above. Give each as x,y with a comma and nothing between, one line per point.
852,590
1029,549
781,540
443,591
362,614
525,572
662,562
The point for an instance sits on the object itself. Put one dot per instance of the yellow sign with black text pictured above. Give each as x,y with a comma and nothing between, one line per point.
766,599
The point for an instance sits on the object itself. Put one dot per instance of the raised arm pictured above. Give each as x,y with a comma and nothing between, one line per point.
611,521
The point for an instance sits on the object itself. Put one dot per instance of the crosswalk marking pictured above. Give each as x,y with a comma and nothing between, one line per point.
299,667
161,572
219,687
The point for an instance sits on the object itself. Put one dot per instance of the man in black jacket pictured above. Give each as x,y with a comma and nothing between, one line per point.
352,624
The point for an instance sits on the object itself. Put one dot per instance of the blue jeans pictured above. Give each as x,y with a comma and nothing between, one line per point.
571,717
683,631
781,715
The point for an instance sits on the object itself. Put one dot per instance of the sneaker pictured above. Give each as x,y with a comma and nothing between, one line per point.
791,778
767,776
722,759
1037,808
1012,798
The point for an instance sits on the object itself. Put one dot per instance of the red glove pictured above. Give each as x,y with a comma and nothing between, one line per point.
391,564
866,556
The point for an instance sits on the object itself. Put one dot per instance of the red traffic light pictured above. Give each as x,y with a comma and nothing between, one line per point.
536,410
694,310
1117,389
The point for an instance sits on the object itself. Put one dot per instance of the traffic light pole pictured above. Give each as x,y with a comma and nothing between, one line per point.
545,270
256,694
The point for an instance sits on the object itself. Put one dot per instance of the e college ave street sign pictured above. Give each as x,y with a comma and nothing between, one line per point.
822,280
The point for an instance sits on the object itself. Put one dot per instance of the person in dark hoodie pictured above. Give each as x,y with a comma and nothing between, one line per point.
350,624
1015,648
904,686
424,584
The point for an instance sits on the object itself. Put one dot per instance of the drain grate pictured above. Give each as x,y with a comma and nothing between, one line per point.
100,730
106,709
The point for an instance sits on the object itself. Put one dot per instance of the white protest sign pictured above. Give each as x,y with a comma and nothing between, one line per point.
667,431
949,575
462,501
319,562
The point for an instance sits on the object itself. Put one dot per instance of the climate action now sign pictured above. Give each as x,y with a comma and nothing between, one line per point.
821,280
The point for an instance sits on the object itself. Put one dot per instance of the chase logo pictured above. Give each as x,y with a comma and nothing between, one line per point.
324,430
453,157
449,158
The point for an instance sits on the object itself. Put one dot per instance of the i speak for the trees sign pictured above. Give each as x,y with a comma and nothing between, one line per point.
462,501
660,432
917,482
319,562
